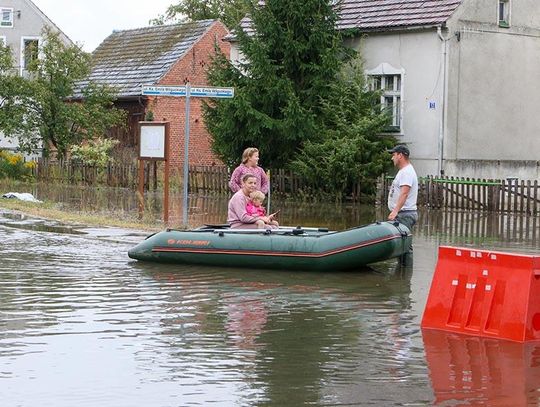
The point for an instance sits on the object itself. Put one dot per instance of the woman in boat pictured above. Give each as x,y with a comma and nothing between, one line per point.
238,217
249,165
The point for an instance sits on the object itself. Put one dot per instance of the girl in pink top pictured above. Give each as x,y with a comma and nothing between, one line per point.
250,160
254,207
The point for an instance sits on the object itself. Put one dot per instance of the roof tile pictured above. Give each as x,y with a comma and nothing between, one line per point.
131,58
383,14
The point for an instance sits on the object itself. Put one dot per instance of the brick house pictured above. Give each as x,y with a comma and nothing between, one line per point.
161,55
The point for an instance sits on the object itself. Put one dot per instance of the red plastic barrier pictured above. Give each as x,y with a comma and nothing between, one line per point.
485,293
469,371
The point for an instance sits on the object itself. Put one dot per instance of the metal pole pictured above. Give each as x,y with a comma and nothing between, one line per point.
269,194
186,159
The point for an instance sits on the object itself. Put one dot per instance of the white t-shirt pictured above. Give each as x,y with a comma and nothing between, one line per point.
405,176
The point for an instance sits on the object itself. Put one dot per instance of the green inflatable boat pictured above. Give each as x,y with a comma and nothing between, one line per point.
285,248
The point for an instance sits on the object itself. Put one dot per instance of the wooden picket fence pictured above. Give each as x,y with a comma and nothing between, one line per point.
72,172
216,179
512,196
202,179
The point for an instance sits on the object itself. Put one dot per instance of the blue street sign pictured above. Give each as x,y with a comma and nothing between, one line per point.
211,92
178,91
196,91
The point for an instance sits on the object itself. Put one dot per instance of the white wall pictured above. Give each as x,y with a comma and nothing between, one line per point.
494,92
419,55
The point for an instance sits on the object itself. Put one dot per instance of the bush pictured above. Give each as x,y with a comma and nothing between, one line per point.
97,154
12,165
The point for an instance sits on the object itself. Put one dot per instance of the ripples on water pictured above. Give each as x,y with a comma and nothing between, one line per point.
81,324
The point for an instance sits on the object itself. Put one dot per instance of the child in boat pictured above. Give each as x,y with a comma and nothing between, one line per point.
254,207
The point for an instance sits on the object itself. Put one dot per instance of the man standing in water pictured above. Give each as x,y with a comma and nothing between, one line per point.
404,189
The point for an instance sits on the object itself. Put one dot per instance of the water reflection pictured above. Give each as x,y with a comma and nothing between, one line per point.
296,337
211,209
468,370
482,229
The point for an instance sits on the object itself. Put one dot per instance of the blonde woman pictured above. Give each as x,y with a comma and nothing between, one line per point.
237,215
249,165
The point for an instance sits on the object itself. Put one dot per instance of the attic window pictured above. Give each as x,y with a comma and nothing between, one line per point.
504,13
6,17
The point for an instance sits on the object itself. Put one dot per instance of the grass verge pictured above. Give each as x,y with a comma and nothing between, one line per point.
54,211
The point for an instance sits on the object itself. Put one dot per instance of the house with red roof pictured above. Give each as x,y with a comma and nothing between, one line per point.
459,78
160,56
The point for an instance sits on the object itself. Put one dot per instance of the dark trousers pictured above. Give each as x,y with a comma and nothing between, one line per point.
409,219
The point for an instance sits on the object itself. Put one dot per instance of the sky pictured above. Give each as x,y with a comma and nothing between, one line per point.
89,22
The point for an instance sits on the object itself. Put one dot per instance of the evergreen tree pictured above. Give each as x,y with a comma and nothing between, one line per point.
290,63
350,149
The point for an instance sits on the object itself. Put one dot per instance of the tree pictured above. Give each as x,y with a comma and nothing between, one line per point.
350,149
230,12
290,63
37,109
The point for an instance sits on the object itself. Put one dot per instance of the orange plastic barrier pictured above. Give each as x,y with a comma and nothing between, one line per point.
485,293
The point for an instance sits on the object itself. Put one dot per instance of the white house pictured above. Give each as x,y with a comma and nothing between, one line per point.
460,77
21,28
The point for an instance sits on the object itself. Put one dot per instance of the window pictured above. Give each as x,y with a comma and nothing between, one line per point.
6,17
388,80
29,53
504,13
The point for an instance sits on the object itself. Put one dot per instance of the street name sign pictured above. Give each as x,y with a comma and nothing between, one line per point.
194,91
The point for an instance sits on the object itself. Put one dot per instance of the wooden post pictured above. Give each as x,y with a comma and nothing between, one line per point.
166,193
140,194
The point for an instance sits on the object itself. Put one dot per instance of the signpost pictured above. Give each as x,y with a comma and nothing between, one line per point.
154,146
188,92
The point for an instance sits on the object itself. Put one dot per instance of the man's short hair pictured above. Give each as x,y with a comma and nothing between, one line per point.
400,148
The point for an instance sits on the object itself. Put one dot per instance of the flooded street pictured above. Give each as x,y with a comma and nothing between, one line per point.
82,324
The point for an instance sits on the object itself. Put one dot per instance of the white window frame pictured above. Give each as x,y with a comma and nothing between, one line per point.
22,58
392,80
3,41
504,13
2,21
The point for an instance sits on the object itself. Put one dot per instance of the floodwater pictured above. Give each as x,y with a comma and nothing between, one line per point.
82,324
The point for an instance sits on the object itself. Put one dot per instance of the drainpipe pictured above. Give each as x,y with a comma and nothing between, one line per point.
442,122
